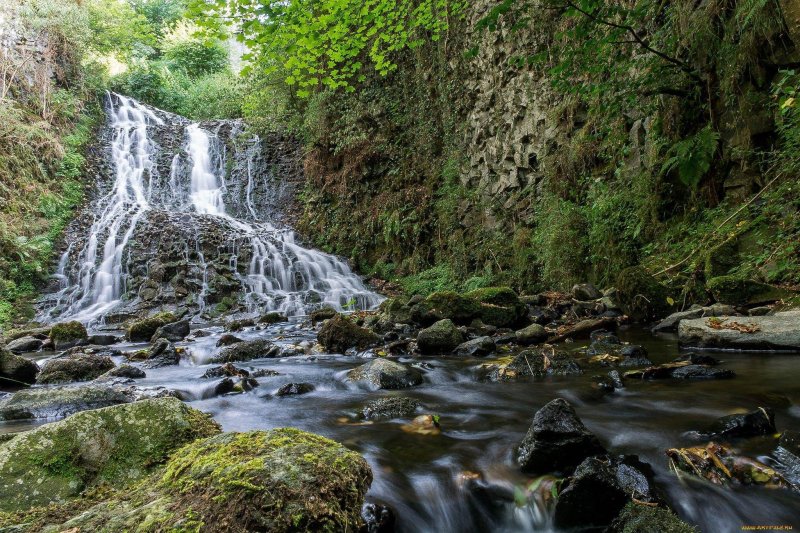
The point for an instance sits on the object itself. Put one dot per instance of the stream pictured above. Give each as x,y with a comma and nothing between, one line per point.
428,480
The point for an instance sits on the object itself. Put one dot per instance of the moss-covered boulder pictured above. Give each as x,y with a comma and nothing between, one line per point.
247,351
643,518
395,311
15,370
114,446
272,318
721,259
499,306
74,367
323,313
445,305
68,334
739,290
385,374
440,338
144,329
641,296
279,480
57,402
340,333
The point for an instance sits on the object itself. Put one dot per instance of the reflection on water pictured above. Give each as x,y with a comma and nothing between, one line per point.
464,479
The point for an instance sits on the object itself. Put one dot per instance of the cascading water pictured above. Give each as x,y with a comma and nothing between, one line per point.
211,196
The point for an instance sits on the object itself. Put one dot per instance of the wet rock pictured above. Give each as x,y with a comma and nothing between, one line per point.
68,334
440,338
225,386
697,359
226,370
294,389
239,325
305,483
499,306
722,466
377,518
124,371
272,318
736,290
263,373
74,367
533,334
395,311
641,296
173,332
680,370
57,402
390,407
340,333
600,488
557,440
759,311
113,446
25,344
144,329
788,456
423,425
780,331
671,322
759,422
542,315
616,379
479,347
246,351
15,370
162,354
582,329
534,363
321,314
641,518
445,305
227,339
585,292
385,374
103,340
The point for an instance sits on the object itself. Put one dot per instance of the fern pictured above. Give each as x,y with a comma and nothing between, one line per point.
692,157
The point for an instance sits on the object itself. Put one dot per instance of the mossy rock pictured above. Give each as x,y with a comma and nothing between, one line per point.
143,330
115,446
721,259
499,306
445,305
641,296
58,402
340,333
738,290
68,334
74,367
440,338
395,311
638,518
323,313
280,480
15,370
272,318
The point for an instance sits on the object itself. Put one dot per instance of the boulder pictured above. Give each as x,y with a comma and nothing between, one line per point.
395,311
759,422
25,344
124,371
788,455
227,339
321,314
113,446
74,367
103,340
680,370
499,306
144,329
15,370
173,332
272,318
390,407
478,347
278,480
780,331
640,296
246,351
671,322
385,374
440,338
340,333
582,329
226,370
445,305
642,518
68,334
585,292
736,290
58,402
536,363
600,488
533,334
557,440
294,389
240,324
162,354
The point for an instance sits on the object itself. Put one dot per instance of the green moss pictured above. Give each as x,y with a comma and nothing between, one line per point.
636,518
340,333
450,305
738,289
499,306
721,259
143,330
68,331
641,296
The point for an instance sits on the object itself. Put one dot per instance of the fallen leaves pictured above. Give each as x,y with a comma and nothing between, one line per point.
722,323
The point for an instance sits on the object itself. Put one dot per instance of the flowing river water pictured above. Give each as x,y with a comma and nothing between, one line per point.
463,479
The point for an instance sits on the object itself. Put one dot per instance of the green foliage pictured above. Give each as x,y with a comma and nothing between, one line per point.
692,157
330,42
436,279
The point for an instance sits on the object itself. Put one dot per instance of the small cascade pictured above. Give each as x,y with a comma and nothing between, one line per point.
188,216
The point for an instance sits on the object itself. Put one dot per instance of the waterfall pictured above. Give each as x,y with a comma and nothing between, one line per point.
211,196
